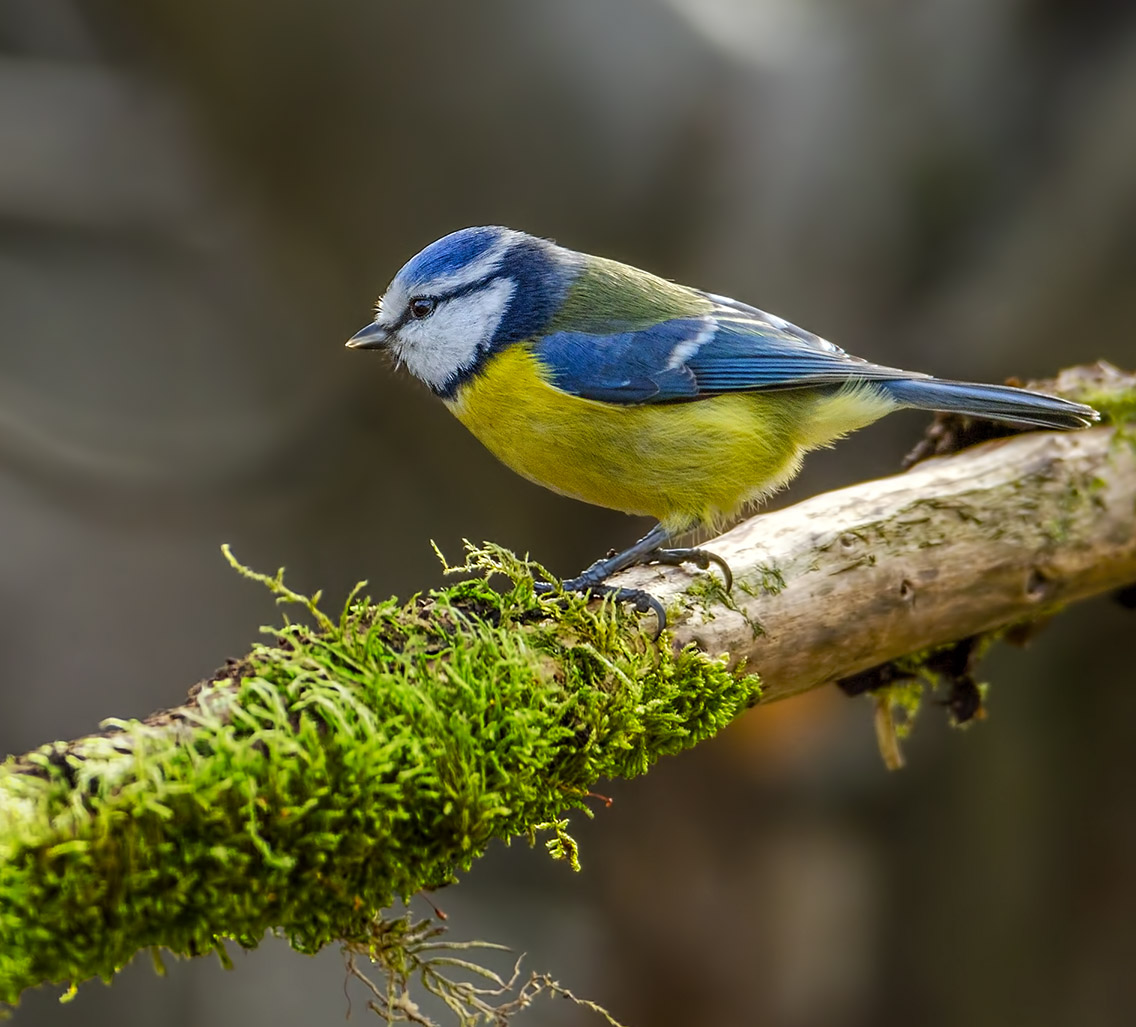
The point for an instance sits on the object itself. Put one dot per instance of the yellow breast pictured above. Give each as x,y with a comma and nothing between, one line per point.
683,463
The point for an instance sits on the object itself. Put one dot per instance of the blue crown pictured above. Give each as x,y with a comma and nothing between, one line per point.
450,254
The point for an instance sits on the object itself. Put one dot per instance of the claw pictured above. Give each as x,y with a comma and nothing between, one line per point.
643,602
724,567
701,558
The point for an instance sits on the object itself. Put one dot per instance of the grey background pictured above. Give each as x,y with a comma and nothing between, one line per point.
199,202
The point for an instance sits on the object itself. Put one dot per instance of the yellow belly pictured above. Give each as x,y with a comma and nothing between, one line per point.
683,463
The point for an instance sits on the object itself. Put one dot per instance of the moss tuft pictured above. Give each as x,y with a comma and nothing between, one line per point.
766,580
1106,389
1116,407
708,592
341,766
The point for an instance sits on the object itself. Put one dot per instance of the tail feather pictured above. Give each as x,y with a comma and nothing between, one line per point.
992,402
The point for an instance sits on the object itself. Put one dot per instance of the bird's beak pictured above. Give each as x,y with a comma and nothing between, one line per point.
373,336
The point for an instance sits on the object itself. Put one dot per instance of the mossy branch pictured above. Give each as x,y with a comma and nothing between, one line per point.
352,762
339,768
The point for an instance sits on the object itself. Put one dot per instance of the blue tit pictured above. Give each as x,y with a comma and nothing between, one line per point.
620,388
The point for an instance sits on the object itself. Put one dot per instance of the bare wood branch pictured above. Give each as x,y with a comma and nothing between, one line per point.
1001,533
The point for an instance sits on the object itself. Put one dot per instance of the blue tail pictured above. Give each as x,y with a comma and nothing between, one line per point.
992,402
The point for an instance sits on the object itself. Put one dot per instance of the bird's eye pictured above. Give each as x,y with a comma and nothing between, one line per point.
420,307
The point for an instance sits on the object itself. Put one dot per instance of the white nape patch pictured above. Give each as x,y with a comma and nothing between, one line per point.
450,340
688,347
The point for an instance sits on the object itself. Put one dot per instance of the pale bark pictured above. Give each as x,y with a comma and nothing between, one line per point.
1001,533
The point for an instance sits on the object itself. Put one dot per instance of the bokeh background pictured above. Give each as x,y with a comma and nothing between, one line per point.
200,201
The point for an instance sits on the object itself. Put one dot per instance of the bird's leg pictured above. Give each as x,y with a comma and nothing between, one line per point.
649,550
646,550
592,580
601,570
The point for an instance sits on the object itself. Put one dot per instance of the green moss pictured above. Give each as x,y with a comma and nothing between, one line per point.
905,700
764,581
1116,406
341,766
708,591
416,952
901,687
1110,392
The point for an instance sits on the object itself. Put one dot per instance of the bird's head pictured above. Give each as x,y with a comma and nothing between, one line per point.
464,297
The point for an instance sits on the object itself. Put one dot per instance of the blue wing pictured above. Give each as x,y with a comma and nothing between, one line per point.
734,348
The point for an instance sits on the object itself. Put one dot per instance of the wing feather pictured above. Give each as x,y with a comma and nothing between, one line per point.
734,348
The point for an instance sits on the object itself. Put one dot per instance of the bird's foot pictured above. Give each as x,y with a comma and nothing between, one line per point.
641,602
701,558
646,551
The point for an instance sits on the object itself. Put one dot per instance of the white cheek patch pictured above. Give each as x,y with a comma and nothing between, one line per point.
449,341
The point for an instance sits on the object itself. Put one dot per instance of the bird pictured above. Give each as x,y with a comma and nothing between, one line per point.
626,390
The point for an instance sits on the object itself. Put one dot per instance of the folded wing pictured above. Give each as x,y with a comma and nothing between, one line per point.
735,348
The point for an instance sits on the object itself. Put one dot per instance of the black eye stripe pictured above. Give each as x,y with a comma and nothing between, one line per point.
465,290
441,298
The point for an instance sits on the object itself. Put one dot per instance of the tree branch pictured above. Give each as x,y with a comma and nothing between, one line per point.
960,545
356,761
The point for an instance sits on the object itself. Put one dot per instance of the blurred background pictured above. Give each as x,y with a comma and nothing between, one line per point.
200,202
